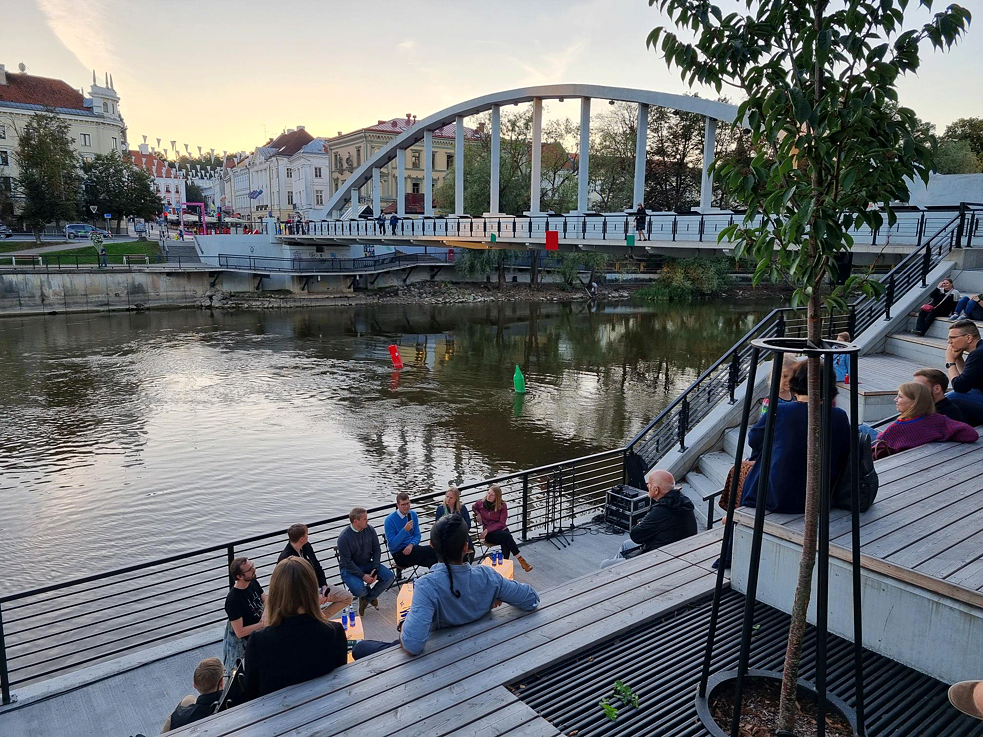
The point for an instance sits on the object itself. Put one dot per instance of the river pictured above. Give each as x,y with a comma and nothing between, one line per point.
130,436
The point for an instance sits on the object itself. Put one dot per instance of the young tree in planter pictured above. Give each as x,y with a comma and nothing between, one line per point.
819,79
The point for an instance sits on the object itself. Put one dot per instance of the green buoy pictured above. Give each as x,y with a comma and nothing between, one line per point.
519,381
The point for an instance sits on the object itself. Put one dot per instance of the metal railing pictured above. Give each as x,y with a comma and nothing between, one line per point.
65,626
720,381
61,627
264,264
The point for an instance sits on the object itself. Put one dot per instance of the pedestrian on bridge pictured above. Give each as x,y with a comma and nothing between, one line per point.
381,224
640,217
393,222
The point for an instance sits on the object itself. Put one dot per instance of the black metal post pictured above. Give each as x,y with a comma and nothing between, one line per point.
926,265
683,423
851,322
733,374
822,587
525,506
758,534
888,298
231,552
858,639
780,326
4,675
970,229
725,544
959,227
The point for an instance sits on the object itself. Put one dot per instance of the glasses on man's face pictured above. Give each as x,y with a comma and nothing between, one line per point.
961,335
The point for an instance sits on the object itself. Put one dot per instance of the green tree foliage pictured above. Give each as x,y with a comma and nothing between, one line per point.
969,130
49,179
817,78
115,186
687,279
612,157
192,192
571,264
956,157
472,262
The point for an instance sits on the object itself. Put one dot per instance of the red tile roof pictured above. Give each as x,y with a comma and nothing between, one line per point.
146,162
287,144
398,125
26,89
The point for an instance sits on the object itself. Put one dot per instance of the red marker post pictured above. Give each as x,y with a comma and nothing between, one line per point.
394,354
552,240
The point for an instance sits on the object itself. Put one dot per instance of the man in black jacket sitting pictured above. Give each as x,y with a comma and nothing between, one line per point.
669,519
332,598
209,679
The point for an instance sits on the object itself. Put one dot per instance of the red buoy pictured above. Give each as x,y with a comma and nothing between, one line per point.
394,354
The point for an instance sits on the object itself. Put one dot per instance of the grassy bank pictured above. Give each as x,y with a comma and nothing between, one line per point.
89,254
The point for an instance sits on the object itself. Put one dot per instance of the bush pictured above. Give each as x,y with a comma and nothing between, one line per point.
686,279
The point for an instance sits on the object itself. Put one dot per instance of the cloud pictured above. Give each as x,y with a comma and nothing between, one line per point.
549,68
407,45
85,30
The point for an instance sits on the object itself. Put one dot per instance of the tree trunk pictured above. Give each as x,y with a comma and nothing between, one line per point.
37,235
534,270
803,588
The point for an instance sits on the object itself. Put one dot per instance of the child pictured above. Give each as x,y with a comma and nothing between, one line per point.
841,362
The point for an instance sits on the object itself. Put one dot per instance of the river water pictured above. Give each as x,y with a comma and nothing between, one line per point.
130,436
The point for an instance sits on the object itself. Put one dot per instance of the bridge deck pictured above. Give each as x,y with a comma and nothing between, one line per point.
925,527
457,685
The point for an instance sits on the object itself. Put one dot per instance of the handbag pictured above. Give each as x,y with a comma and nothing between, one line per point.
927,308
724,499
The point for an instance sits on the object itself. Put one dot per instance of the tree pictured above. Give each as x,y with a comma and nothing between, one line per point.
956,157
479,262
192,192
612,157
969,130
115,186
817,82
675,150
49,180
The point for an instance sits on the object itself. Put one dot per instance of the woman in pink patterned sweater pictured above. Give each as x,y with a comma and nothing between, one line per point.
919,424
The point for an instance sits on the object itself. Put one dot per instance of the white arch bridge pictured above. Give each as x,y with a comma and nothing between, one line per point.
369,172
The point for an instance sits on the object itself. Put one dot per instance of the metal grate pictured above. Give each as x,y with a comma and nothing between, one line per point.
661,662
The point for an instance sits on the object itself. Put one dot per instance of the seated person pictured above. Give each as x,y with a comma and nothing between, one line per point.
937,383
298,642
360,560
969,307
941,303
454,592
209,680
452,505
333,600
493,514
841,361
669,519
244,609
918,424
966,375
403,536
786,489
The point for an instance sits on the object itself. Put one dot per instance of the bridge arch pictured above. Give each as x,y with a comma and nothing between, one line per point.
368,172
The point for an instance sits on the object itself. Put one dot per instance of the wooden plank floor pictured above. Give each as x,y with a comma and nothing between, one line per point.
456,686
881,374
926,525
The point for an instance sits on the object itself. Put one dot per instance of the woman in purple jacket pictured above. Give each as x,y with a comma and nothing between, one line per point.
919,424
493,516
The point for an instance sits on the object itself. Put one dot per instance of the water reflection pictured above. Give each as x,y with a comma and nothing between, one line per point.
130,436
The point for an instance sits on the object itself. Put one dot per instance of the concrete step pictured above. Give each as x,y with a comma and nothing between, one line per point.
699,506
700,486
921,349
714,466
968,282
940,327
186,253
730,439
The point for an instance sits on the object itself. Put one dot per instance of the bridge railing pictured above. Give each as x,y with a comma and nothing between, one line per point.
58,628
910,229
719,382
263,264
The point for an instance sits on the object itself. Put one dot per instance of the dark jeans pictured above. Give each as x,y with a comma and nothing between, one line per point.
971,403
421,555
505,539
370,647
973,310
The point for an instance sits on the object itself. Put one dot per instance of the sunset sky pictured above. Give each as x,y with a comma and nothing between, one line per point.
227,74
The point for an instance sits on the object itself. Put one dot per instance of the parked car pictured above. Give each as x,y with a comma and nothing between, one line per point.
5,232
84,230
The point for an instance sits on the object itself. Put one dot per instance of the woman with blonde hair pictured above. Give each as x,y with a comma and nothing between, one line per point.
493,515
298,643
452,505
919,424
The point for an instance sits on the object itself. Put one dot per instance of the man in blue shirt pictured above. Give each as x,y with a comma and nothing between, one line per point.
403,536
454,592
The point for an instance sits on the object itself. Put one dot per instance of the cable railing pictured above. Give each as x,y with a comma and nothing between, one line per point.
57,628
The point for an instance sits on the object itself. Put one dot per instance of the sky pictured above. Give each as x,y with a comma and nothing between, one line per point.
228,74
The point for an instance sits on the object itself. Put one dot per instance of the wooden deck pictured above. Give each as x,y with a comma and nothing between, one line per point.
458,685
881,373
925,527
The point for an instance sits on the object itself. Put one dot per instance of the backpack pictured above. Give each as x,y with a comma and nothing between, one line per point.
635,470
842,491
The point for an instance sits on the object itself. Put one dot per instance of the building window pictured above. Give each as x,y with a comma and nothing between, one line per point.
86,139
335,185
415,162
416,188
358,156
290,173
167,188
318,196
105,107
6,184
290,198
4,158
337,161
317,172
114,144
3,132
450,161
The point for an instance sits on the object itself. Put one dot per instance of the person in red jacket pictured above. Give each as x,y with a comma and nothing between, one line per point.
919,424
493,516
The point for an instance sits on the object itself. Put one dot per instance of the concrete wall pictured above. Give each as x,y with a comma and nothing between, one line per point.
946,190
211,246
921,629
